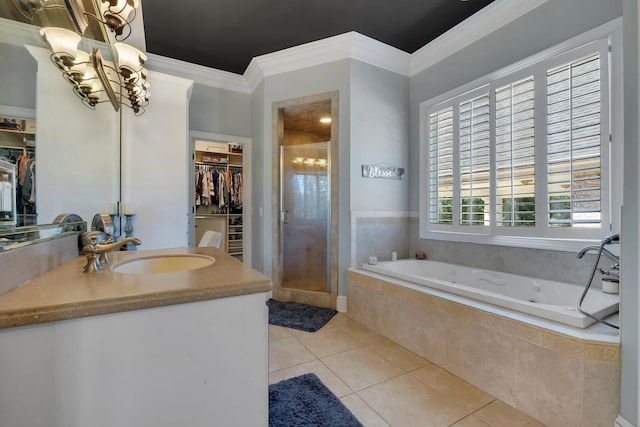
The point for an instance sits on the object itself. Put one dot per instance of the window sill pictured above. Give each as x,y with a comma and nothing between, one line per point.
553,244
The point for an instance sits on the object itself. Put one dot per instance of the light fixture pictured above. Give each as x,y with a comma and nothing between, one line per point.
30,8
123,81
309,161
116,15
74,63
325,120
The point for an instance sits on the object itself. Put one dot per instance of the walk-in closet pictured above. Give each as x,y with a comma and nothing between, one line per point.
219,194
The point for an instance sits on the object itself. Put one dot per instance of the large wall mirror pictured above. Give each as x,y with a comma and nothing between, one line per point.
76,149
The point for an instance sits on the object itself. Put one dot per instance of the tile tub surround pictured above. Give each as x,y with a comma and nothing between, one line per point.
379,234
561,266
556,379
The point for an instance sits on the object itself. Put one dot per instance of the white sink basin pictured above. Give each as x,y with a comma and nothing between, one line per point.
163,264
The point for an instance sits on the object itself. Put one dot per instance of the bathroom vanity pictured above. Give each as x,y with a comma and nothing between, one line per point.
153,349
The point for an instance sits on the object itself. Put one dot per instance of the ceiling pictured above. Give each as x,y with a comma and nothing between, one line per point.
227,34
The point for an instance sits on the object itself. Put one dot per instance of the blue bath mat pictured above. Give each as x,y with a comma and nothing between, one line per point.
298,316
305,401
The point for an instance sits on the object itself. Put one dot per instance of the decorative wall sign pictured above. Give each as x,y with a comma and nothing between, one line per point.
382,170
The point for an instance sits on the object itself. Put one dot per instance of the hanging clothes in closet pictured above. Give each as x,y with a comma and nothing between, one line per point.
235,187
26,183
211,186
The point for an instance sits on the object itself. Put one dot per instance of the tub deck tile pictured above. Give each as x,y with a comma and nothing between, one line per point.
514,328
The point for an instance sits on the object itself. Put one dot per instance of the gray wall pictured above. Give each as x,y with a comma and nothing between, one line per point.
260,237
630,217
550,24
323,78
546,26
17,77
379,134
220,111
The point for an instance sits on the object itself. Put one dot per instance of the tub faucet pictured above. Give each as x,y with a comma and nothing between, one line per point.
98,253
615,271
613,257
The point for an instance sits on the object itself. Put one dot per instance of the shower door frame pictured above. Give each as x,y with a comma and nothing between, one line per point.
318,298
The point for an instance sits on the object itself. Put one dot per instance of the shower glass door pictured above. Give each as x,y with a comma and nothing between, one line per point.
305,216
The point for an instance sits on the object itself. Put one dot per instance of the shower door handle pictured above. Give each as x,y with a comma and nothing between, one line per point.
285,217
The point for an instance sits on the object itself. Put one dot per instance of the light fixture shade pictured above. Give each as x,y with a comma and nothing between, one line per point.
129,58
82,68
60,41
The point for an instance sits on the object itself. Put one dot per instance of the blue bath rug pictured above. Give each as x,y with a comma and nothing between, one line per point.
305,402
298,316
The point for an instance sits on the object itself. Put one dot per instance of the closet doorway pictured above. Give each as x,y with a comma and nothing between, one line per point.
305,140
220,192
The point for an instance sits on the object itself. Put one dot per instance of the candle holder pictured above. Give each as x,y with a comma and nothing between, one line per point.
128,232
115,227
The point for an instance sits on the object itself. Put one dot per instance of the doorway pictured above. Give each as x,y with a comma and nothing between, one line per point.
305,216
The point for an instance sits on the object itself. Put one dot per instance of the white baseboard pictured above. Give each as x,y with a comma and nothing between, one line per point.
621,422
341,303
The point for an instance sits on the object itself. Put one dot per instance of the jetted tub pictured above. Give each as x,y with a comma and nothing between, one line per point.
548,299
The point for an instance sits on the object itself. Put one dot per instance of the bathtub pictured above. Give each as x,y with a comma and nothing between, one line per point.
555,301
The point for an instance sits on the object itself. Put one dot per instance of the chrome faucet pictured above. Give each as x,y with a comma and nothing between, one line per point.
96,247
615,271
613,257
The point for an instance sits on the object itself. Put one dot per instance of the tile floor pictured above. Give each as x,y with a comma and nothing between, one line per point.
382,383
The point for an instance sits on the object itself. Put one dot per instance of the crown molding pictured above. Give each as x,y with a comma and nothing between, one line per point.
198,73
472,29
351,45
19,34
17,112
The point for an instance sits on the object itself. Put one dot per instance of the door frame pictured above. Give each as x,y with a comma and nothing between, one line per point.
246,187
320,299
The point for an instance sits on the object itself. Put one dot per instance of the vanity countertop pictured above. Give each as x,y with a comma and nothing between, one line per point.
66,293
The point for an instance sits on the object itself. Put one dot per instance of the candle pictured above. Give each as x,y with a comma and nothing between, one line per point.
111,208
128,209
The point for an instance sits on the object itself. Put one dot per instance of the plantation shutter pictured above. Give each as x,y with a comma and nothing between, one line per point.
515,154
474,159
573,143
441,166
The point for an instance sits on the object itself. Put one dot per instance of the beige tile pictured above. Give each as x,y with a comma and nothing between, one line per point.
499,414
563,344
469,314
361,368
456,390
481,356
286,353
398,355
405,401
363,412
339,319
360,332
471,421
278,333
602,352
514,328
328,341
549,386
601,394
331,380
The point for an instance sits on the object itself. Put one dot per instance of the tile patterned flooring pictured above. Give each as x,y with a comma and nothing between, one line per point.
382,383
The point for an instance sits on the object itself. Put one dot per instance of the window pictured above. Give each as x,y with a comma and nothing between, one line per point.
524,154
